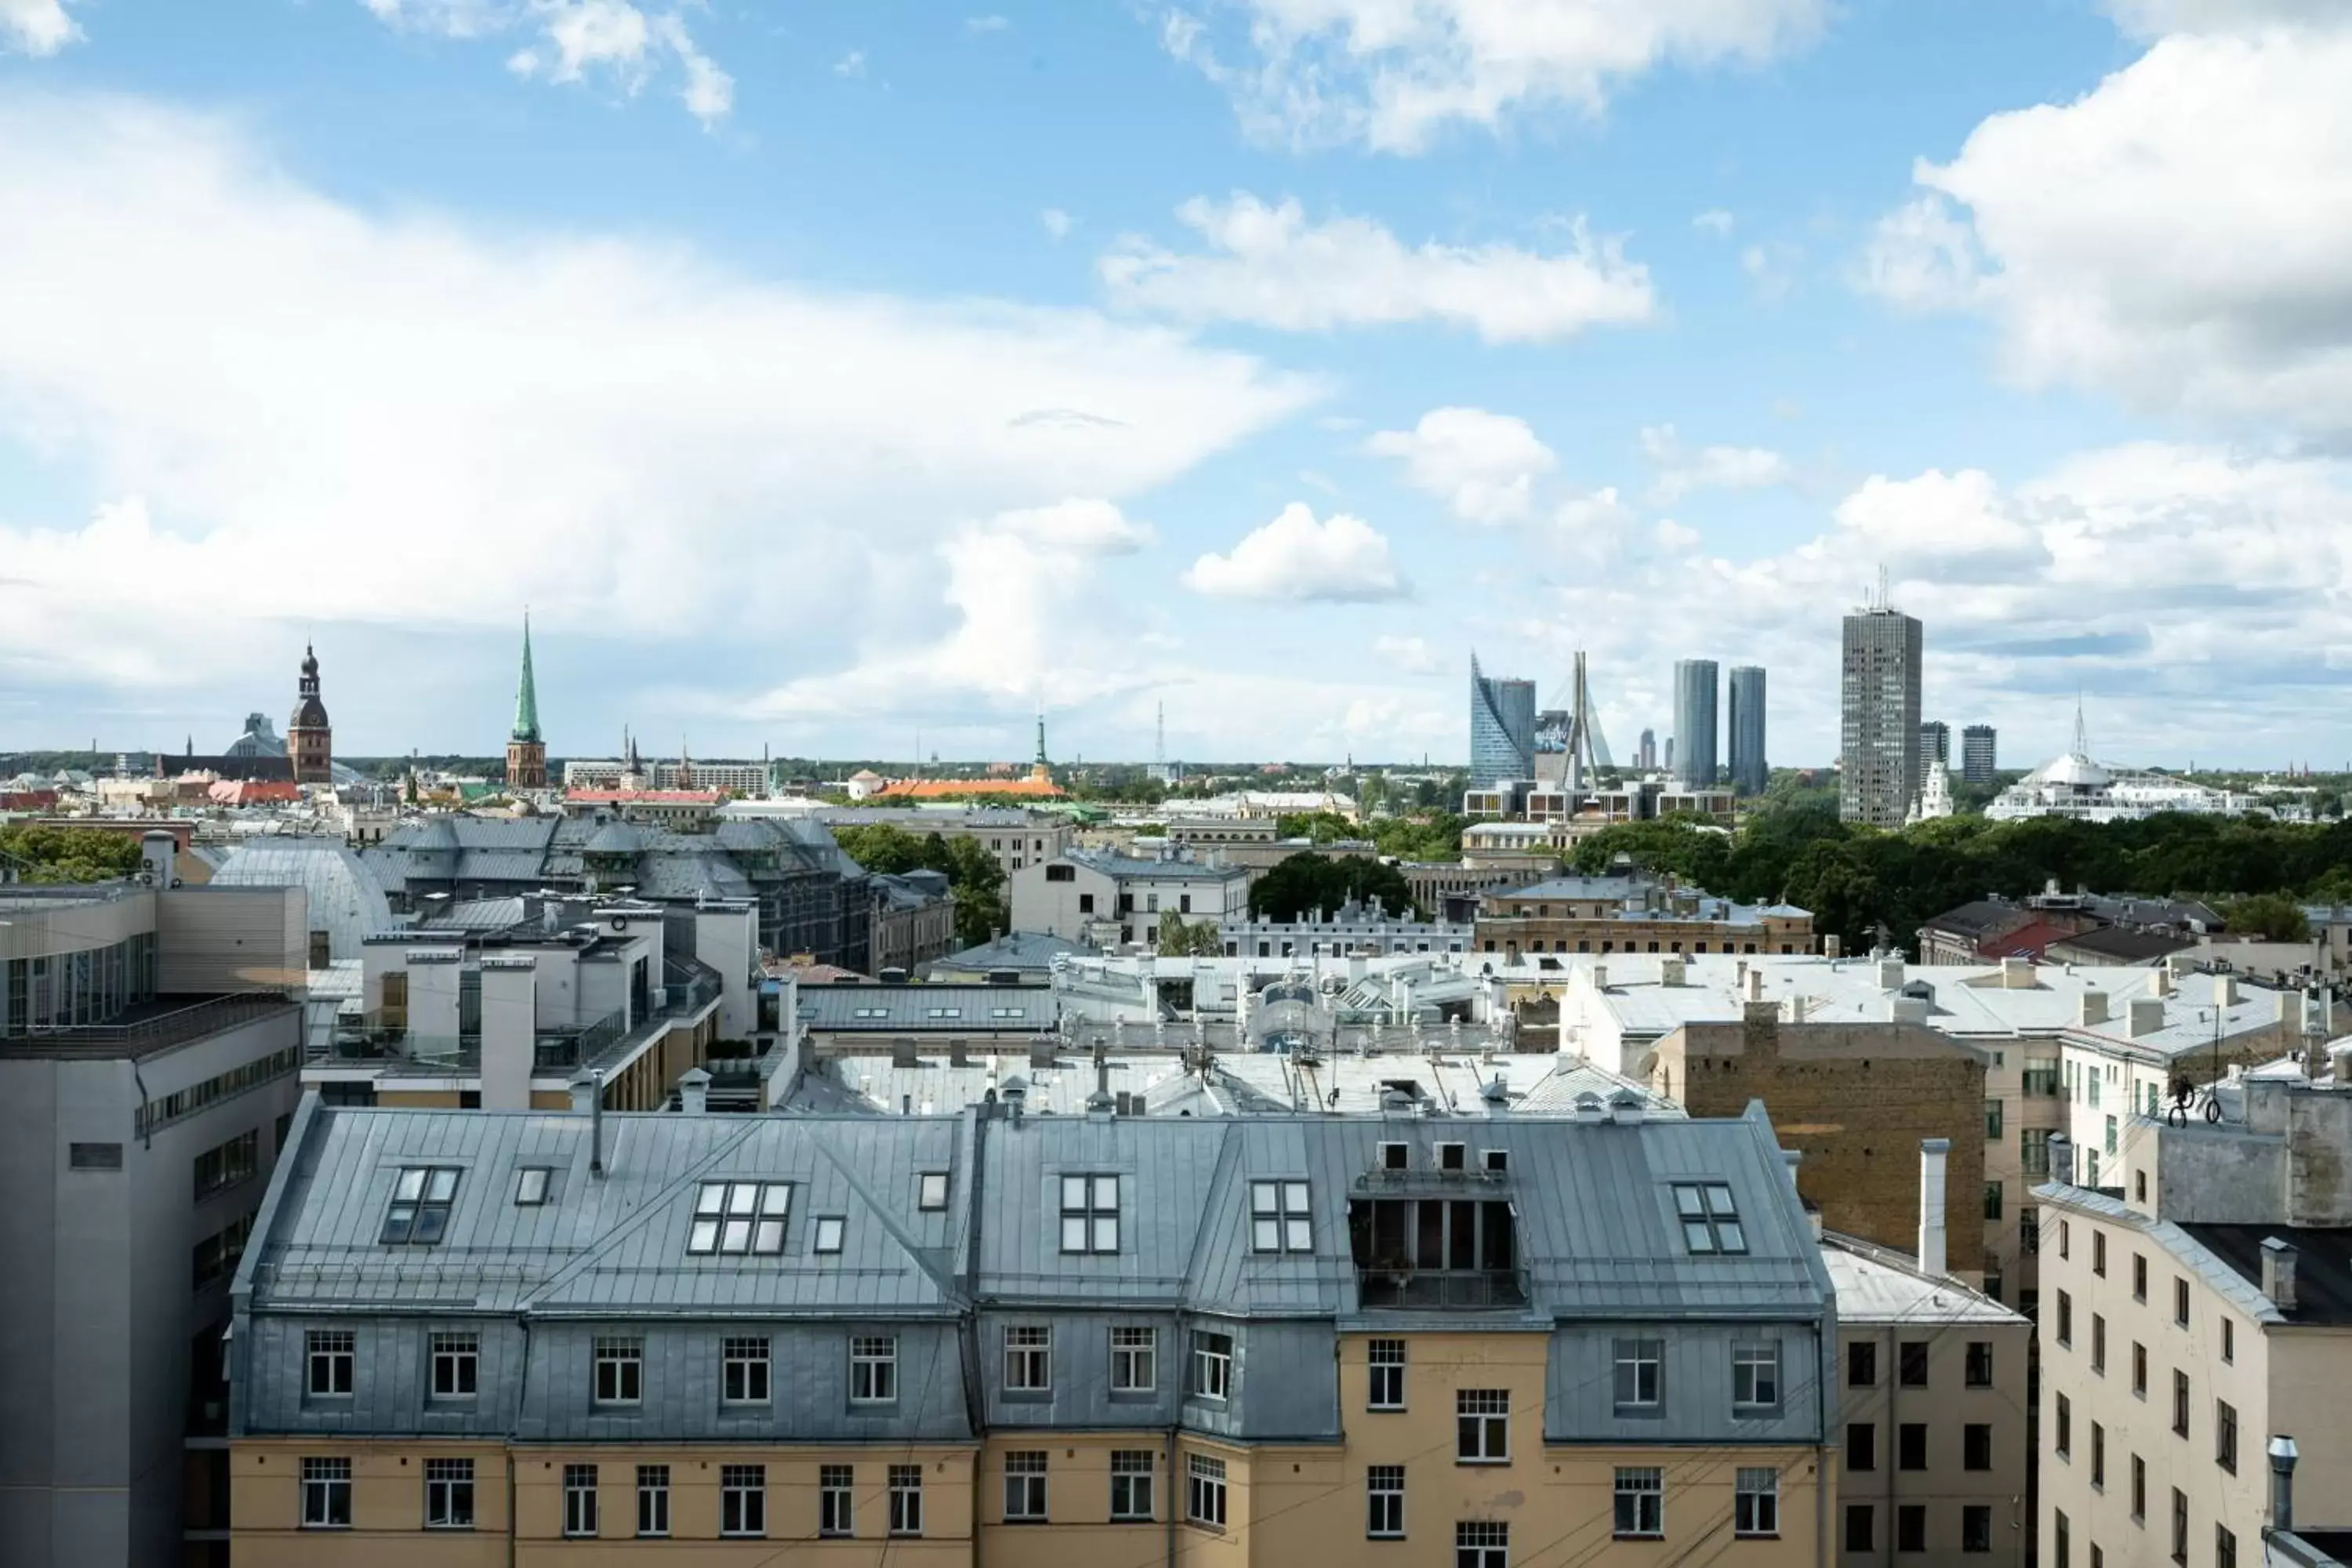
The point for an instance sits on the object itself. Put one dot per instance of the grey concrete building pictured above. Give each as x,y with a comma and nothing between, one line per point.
1878,707
1979,762
149,1047
1935,744
1695,721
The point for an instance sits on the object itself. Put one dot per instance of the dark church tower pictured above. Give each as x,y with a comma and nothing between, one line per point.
526,748
309,739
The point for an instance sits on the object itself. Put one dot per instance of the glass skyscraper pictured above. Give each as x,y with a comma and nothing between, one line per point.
1878,728
1502,727
1750,771
1694,720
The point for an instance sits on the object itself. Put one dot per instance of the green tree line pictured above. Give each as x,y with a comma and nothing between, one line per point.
35,854
972,873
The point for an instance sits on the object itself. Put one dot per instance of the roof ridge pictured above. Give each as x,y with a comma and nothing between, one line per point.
881,1212
628,1226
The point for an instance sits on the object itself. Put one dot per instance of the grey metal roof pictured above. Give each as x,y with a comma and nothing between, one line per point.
346,897
1020,949
1131,868
954,1009
1597,1233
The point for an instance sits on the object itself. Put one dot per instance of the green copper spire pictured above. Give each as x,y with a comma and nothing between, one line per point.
1041,734
526,724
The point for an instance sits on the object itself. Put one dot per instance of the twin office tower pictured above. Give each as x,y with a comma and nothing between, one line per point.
1696,730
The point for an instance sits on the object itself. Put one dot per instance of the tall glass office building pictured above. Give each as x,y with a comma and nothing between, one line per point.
1878,728
1502,727
1748,770
1694,720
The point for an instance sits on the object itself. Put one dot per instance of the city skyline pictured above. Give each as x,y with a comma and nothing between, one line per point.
1209,407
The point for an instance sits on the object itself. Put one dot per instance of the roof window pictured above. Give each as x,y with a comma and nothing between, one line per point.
421,1198
931,1190
1089,1213
740,1218
1278,1217
530,1185
1710,1222
829,1228
869,1012
943,1013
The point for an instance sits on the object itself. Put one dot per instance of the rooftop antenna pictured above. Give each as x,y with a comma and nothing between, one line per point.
2082,746
1886,593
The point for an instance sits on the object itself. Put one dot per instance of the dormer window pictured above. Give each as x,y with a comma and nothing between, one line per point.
1278,1217
1710,1222
1451,1156
1395,1156
1497,1161
421,1198
1089,1213
739,1217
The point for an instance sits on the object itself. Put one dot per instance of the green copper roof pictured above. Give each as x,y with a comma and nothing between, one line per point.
526,724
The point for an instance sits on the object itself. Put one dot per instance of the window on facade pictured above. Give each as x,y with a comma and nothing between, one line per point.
2139,1277
2138,1489
2098,1457
2033,1147
1386,1375
2098,1344
1976,1527
1024,1486
739,1217
1640,1499
448,1494
457,1361
1384,1502
1212,1365
2225,1435
2229,1340
1641,1373
2179,1525
2029,1230
1028,1358
1861,1364
331,1355
1709,1222
2063,1442
418,1214
1979,1372
743,1371
2181,1303
1756,1375
2099,1253
873,1369
1089,1213
834,1515
217,1170
1481,1544
1481,1426
2179,1403
1756,1501
1976,1445
578,1499
1278,1217
931,1190
2065,1318
906,1499
1911,1445
1911,1526
1993,1120
742,1499
1860,1527
2060,1544
1130,1485
325,1494
652,1499
2225,1548
1134,1359
2139,1369
2065,1240
530,1185
1915,1363
1861,1445
1992,1200
620,1366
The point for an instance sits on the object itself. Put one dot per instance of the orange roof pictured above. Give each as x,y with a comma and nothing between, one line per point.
934,789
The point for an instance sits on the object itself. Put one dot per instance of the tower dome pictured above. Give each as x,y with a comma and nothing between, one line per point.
309,737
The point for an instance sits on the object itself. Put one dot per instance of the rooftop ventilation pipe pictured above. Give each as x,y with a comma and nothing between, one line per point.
1933,1151
694,1092
2282,1454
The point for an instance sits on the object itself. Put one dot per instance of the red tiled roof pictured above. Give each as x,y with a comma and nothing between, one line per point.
932,789
2026,941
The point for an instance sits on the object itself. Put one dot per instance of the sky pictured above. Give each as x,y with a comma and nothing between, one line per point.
846,376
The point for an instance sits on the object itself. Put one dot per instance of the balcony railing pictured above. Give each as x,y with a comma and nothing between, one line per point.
1431,1289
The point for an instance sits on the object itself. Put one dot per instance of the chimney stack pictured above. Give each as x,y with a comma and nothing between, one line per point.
694,1092
2278,1273
2225,991
2093,1008
1933,1151
1830,946
2282,1455
1890,974
2147,1014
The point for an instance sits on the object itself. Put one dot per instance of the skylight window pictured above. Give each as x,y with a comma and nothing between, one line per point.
1710,1224
421,1197
870,1013
530,1185
1278,1217
1004,1012
944,1013
932,1190
828,1232
740,1218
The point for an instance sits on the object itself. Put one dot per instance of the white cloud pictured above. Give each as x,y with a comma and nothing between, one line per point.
1081,527
1057,224
1483,466
325,411
1771,267
1411,654
2180,236
852,63
613,43
36,28
1682,470
1714,221
2152,18
1342,559
1673,538
989,24
1393,73
1270,267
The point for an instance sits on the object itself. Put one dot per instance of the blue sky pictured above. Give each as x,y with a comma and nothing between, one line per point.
824,375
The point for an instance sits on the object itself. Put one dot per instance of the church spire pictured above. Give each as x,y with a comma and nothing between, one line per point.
526,724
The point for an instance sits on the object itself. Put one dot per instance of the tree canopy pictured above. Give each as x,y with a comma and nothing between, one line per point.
39,854
973,876
1302,883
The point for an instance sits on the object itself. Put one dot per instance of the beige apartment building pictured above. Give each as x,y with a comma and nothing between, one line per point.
1633,914
2192,1314
1077,1341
